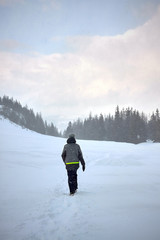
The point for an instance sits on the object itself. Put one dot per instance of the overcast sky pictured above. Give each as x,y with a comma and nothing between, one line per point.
67,58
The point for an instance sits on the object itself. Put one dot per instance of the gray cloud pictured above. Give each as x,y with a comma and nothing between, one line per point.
10,2
50,4
11,45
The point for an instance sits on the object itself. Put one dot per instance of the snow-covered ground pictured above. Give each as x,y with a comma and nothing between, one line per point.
118,196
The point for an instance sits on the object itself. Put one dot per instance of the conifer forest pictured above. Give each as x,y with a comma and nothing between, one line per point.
126,125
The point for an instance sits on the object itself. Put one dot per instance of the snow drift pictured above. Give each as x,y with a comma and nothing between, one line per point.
118,196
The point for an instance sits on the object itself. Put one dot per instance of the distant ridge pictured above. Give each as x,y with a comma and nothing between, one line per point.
25,117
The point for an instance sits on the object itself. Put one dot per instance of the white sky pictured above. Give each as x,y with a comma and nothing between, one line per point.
68,58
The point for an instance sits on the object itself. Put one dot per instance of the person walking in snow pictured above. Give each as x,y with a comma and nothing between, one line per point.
71,156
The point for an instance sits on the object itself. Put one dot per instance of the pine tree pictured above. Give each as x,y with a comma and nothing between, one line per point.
101,128
117,130
40,127
154,127
69,130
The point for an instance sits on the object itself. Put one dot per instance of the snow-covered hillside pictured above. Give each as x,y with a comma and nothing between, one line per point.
118,196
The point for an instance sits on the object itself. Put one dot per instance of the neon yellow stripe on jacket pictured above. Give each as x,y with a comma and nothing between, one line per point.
72,163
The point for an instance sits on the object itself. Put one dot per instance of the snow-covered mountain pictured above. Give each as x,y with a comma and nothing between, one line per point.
118,196
25,117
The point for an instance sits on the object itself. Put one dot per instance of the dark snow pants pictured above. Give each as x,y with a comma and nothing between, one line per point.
72,180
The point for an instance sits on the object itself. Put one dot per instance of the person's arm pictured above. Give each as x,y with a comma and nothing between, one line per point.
63,154
81,159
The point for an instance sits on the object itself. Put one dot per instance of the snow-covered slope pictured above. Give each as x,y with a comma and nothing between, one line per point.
118,196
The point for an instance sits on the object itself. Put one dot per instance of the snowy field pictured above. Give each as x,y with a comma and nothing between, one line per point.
118,196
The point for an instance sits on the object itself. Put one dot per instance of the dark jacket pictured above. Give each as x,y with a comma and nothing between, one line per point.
72,154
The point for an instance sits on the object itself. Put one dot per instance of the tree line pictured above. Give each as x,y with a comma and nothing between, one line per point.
25,117
127,125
